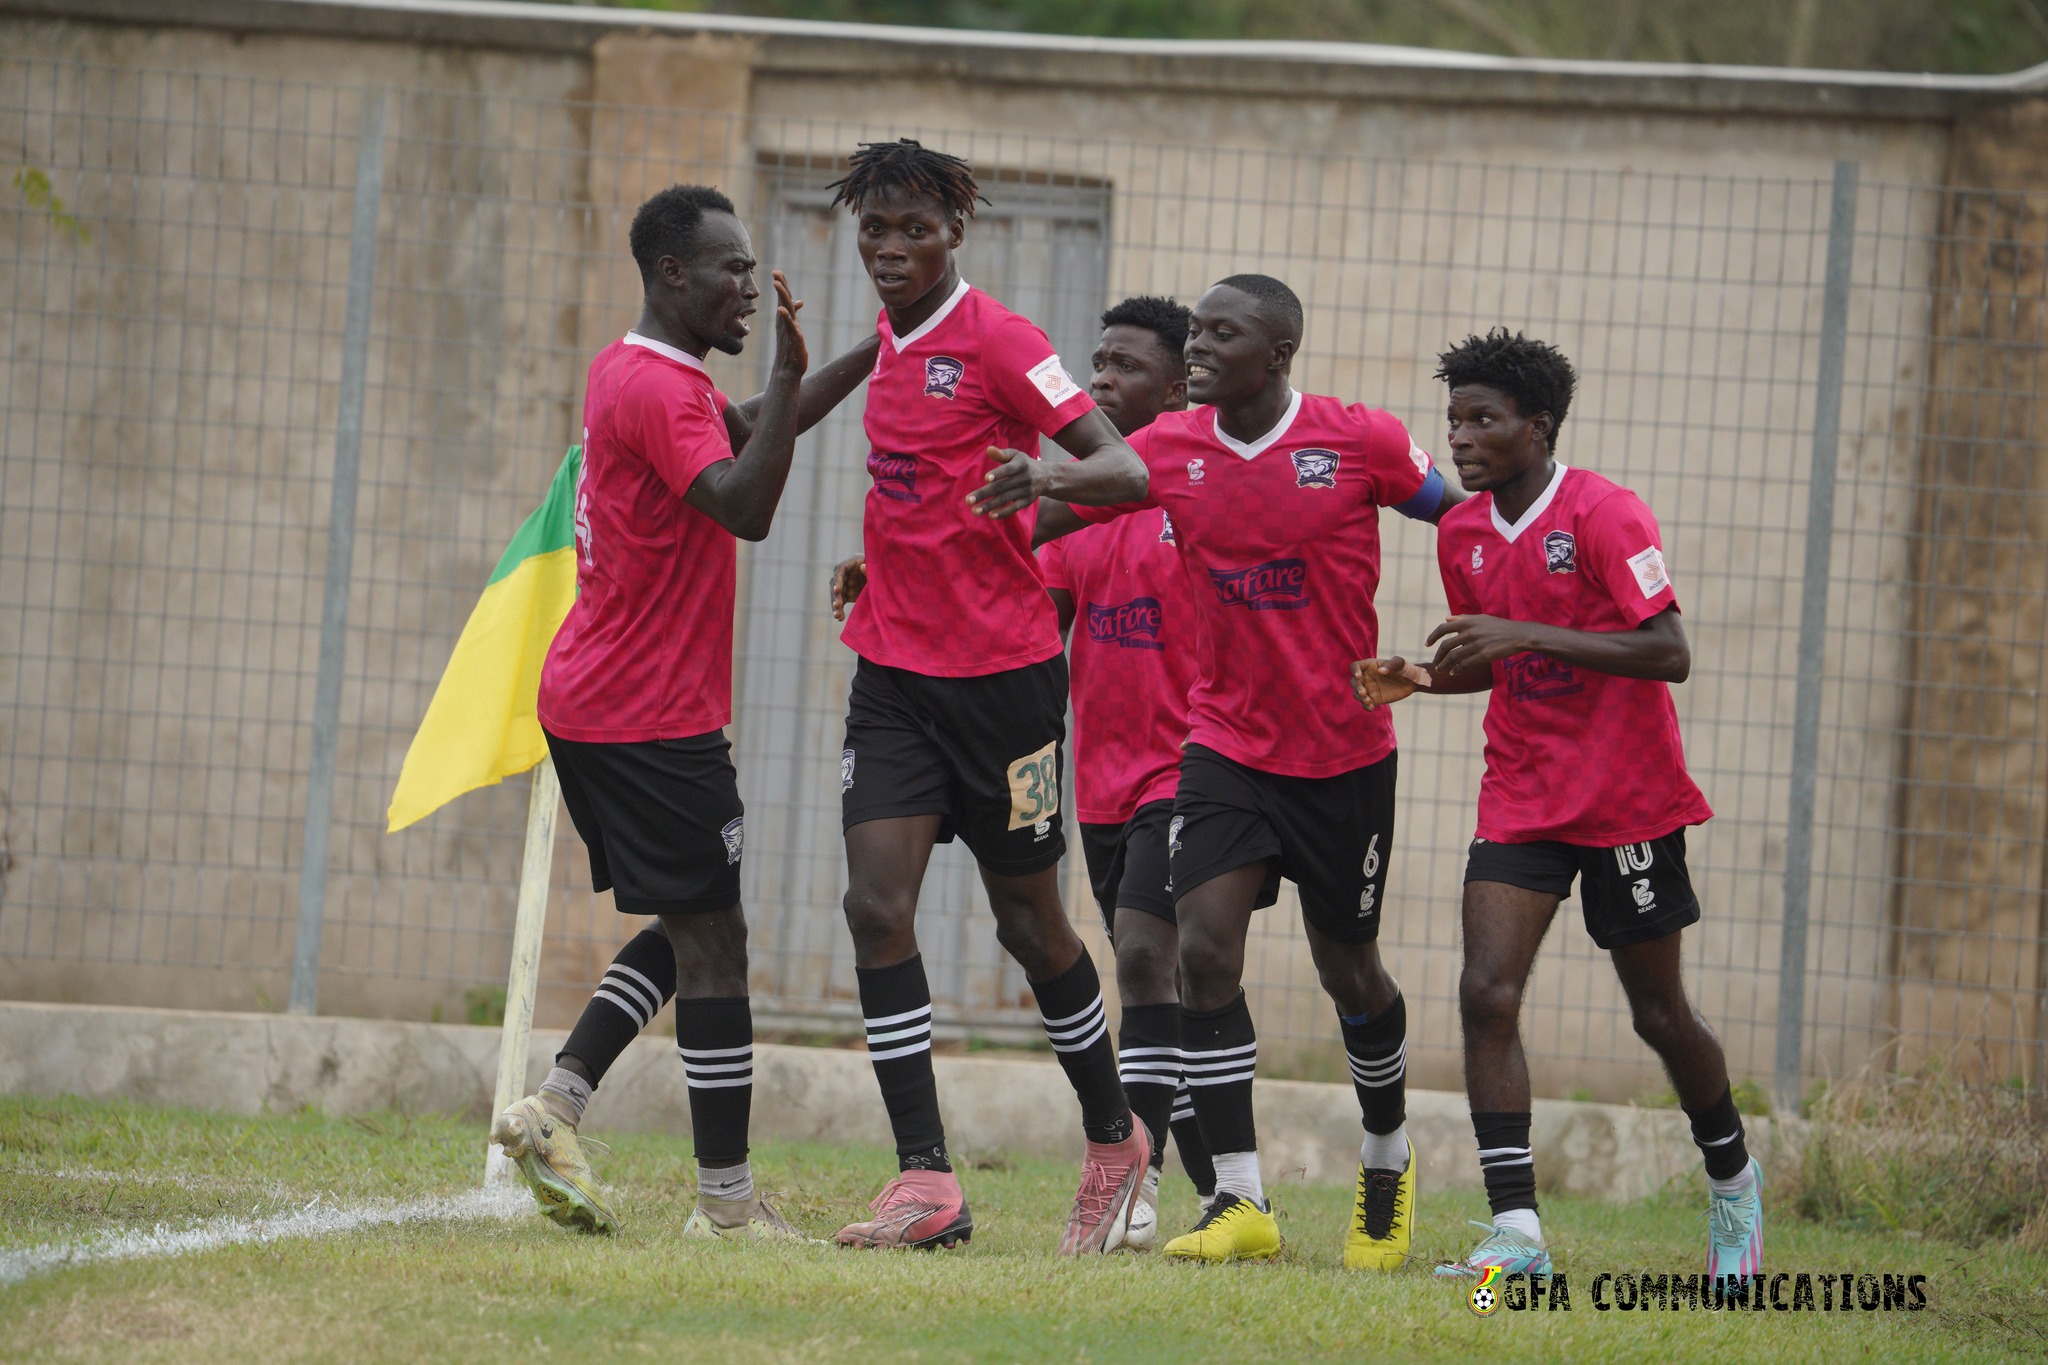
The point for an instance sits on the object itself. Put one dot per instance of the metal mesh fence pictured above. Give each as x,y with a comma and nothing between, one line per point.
171,393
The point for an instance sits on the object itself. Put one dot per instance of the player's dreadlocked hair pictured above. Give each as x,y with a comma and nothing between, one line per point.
665,224
1163,318
1533,373
910,167
1281,304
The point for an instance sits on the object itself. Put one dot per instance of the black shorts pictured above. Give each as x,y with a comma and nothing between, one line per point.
1630,894
662,819
1127,863
986,754
1331,836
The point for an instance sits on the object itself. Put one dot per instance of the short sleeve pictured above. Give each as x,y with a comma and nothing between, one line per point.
1450,566
1052,565
681,426
1625,556
1025,379
1141,442
1395,467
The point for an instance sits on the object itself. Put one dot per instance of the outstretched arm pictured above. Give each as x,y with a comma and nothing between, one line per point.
1656,649
1104,471
824,389
741,494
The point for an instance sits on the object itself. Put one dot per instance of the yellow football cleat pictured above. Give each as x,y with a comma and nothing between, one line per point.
551,1160
1234,1229
1381,1215
753,1220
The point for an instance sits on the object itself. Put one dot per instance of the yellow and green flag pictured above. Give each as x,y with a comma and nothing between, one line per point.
480,727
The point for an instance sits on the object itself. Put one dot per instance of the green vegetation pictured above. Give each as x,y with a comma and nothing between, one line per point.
38,194
491,1290
1889,35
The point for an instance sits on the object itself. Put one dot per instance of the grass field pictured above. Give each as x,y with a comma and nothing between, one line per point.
95,1181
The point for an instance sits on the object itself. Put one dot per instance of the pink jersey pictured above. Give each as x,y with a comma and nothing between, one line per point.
1132,661
646,652
1583,757
1280,545
951,594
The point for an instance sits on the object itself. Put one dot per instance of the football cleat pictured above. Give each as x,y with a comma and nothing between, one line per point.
550,1159
746,1219
918,1209
1381,1214
1233,1229
1513,1253
1144,1226
1735,1230
1112,1173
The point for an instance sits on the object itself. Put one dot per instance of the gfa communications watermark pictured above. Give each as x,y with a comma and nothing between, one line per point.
1801,1291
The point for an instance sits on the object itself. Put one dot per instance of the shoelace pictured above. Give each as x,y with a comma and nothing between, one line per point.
1382,1201
1214,1212
1092,1200
887,1196
1724,1227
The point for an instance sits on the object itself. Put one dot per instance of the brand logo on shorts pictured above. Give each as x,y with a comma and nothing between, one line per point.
1276,585
1314,468
1646,899
942,375
734,831
1194,471
1561,552
846,770
1040,830
1173,836
1166,530
1127,625
895,476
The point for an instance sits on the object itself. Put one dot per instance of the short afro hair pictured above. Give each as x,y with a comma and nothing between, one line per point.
1277,301
909,167
1162,317
1533,373
665,224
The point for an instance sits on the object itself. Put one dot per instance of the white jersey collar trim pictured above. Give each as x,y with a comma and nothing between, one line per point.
1252,450
662,348
925,328
1536,508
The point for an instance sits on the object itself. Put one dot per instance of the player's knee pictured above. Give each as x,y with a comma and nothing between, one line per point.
872,913
1208,968
1145,970
1488,1003
1663,1024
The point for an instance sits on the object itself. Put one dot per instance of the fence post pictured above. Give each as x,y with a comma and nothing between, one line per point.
1789,1082
341,542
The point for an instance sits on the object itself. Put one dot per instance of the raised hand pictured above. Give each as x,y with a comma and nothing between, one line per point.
849,579
792,355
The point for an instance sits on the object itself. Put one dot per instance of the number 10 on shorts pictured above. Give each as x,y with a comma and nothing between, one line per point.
1035,787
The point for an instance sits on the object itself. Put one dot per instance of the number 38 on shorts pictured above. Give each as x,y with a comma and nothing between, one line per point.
1034,787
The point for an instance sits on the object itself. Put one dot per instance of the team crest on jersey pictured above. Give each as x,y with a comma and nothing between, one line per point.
1127,625
1194,471
1314,468
1276,585
735,829
895,476
1561,552
942,376
1166,530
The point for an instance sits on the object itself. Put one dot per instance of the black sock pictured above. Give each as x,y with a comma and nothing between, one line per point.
896,1003
1075,1022
641,979
1505,1160
1148,1060
1717,1130
716,1037
1377,1046
1219,1050
1187,1138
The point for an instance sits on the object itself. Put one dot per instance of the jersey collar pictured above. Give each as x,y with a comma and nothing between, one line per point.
1536,508
662,348
925,328
1254,449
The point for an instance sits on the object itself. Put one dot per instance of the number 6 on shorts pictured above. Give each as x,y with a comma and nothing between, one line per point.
1035,787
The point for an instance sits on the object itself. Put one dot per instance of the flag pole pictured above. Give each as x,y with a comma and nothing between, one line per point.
534,870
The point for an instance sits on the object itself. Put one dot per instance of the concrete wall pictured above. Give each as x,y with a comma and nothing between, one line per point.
1664,225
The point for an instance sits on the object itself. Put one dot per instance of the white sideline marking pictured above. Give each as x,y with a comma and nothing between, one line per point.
314,1220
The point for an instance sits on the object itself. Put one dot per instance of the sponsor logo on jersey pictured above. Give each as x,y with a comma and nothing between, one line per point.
1560,552
1194,471
1276,585
734,831
1050,377
895,476
942,376
1420,457
1314,468
846,770
1166,530
1536,677
1478,558
1649,571
1127,625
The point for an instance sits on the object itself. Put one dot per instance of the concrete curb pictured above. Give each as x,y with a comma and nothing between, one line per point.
249,1063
